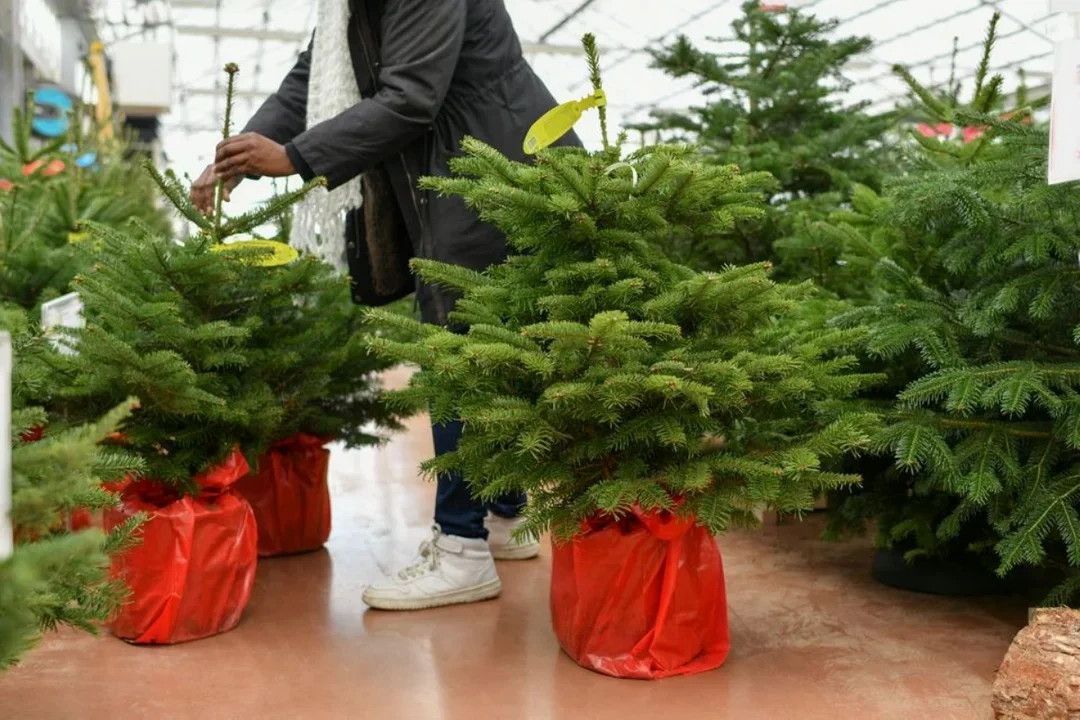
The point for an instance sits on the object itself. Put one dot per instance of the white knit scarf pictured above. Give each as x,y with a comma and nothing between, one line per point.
319,222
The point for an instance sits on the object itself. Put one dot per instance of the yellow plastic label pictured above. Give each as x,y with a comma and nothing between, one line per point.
279,253
558,121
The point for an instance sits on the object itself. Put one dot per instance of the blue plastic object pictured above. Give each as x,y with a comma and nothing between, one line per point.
52,107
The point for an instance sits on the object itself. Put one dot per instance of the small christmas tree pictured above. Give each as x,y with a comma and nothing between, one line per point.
775,104
56,577
312,350
985,434
226,345
314,355
596,374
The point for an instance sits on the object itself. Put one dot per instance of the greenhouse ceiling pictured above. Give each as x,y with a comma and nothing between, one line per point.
264,37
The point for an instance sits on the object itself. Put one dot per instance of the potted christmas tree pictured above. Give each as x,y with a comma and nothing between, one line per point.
172,322
920,258
55,577
310,350
305,344
247,355
644,406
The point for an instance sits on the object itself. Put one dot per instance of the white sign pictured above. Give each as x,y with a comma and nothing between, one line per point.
1064,165
142,78
65,311
40,38
7,535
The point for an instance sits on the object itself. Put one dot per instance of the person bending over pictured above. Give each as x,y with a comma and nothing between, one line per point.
383,96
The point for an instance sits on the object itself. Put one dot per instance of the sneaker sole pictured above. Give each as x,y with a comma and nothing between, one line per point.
477,593
516,552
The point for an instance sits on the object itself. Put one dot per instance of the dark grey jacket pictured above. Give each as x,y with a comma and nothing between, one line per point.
430,72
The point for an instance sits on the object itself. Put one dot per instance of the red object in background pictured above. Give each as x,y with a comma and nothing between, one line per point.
191,575
290,496
939,130
6,184
772,7
55,167
641,597
973,133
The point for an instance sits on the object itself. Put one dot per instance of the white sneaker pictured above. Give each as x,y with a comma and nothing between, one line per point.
450,570
502,542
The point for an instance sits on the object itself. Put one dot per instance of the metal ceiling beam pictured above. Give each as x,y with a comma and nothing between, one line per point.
214,92
948,54
566,19
289,36
868,11
610,65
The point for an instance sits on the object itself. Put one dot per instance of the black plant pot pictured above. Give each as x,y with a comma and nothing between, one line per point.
941,577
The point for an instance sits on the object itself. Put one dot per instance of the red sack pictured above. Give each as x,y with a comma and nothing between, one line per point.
641,597
290,496
191,575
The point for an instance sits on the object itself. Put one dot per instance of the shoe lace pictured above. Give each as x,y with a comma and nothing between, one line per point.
428,560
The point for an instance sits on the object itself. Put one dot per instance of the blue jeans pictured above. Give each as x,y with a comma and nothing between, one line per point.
456,511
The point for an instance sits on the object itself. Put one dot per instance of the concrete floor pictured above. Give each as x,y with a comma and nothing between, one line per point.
812,637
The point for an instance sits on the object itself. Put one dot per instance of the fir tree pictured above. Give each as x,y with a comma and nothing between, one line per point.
986,432
310,349
596,374
775,103
48,189
55,577
223,350
33,267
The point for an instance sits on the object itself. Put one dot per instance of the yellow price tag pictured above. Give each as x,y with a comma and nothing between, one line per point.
274,253
558,121
75,237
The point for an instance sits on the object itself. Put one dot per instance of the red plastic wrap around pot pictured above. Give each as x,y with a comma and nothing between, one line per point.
290,496
191,575
641,597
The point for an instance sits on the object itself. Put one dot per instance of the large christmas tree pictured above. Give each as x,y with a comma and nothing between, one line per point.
56,577
985,434
775,102
598,375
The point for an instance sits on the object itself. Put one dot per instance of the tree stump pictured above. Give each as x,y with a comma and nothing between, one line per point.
1040,676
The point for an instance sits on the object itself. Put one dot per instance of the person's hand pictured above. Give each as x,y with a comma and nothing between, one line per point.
251,154
202,192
